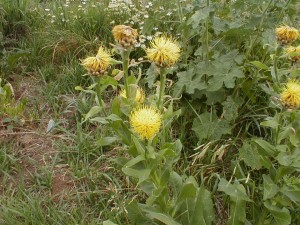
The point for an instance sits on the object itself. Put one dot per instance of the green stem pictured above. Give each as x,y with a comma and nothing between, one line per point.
206,35
163,75
99,95
125,59
275,64
259,28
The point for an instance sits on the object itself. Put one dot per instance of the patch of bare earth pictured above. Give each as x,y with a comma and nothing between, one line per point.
35,148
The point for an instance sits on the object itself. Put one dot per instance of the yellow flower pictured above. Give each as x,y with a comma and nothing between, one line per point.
293,52
125,35
139,97
290,96
286,34
145,121
99,64
163,51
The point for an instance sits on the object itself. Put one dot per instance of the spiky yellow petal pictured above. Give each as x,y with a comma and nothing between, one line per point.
98,64
163,51
145,121
286,34
293,52
290,95
125,35
139,97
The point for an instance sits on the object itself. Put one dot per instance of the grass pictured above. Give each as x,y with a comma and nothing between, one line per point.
64,176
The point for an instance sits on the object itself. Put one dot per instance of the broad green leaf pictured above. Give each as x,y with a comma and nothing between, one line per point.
250,156
14,56
166,219
238,199
138,145
188,81
188,190
198,16
260,65
290,158
141,174
136,215
107,141
99,119
134,161
93,111
292,191
108,222
208,127
267,148
270,123
203,213
281,215
230,108
270,188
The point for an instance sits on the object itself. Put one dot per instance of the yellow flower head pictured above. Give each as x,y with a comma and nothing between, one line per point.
163,51
99,64
125,35
145,121
290,95
293,52
286,34
139,97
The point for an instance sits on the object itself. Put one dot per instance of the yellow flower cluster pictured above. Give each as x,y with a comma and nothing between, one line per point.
286,34
125,35
163,51
139,97
145,121
293,52
290,95
99,64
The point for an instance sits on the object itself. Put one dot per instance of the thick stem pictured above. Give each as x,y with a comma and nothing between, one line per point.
162,88
125,59
99,95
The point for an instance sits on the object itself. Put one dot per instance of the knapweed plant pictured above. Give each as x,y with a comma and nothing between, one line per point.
142,124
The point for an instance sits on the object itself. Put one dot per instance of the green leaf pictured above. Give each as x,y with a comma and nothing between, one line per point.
250,156
134,161
188,190
292,192
290,158
238,199
166,219
230,108
208,127
93,111
107,141
141,174
270,122
140,149
203,213
108,222
198,16
14,56
270,188
281,215
260,65
266,147
189,81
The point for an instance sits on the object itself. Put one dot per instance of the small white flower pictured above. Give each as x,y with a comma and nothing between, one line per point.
149,38
47,10
146,16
